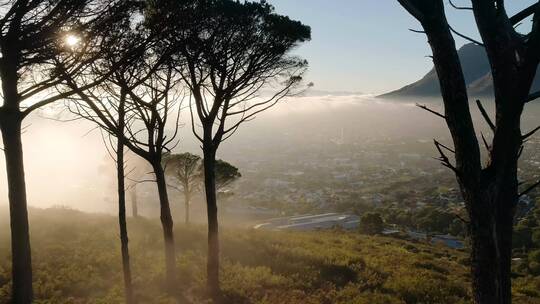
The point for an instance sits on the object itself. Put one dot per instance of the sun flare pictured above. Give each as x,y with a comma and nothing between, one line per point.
72,40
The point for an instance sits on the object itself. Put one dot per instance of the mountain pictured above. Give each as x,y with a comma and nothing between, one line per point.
477,74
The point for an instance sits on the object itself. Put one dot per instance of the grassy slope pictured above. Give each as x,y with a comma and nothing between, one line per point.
76,260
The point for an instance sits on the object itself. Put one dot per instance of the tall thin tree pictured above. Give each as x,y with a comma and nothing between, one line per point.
227,53
32,35
148,93
490,192
137,171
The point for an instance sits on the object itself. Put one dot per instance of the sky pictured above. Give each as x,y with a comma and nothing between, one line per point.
365,45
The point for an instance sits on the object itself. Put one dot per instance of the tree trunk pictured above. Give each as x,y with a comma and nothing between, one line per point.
128,287
167,224
490,193
133,198
213,227
187,199
491,240
493,209
20,235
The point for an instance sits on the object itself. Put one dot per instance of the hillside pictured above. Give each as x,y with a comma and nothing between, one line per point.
477,77
258,267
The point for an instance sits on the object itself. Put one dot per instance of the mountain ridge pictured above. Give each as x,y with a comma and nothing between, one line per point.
477,74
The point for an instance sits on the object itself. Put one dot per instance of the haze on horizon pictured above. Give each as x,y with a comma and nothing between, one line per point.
386,58
376,63
85,172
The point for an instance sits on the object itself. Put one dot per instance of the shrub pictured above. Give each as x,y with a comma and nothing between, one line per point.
371,223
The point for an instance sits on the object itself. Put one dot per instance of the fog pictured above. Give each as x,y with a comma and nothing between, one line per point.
66,162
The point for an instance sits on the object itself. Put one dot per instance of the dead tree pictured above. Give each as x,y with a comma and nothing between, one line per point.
491,191
32,36
227,52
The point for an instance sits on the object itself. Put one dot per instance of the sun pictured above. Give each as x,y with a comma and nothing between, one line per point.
72,40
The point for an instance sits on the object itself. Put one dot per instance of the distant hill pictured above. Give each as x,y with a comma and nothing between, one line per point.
477,77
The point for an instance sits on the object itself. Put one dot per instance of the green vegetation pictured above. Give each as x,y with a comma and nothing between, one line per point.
77,260
371,223
526,243
427,219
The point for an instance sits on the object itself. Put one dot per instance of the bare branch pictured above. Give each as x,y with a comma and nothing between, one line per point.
412,9
488,148
524,14
466,37
531,133
485,115
417,31
443,158
533,96
424,107
459,217
529,189
459,7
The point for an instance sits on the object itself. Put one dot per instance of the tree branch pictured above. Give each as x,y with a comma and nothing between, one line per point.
459,7
459,217
466,37
485,115
533,96
417,31
412,9
523,14
485,142
443,158
531,188
531,133
424,107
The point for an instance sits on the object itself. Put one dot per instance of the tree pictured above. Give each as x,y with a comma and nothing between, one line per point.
227,52
490,192
150,101
186,169
226,174
114,61
134,105
125,164
137,169
371,223
430,219
32,38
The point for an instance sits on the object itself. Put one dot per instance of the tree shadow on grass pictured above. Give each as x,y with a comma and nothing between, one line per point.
339,275
228,297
